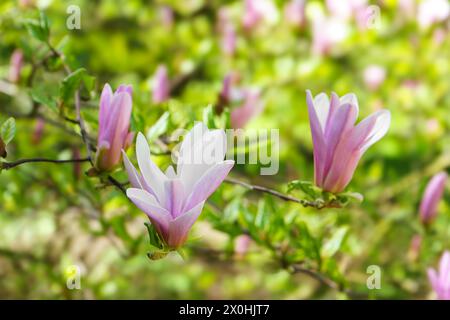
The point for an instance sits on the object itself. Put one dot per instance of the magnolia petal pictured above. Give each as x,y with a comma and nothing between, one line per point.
174,197
170,173
104,113
382,124
122,103
152,175
125,88
133,175
352,99
318,141
433,278
149,205
322,109
208,183
180,227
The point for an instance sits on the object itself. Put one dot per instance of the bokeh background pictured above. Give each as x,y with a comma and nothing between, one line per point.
53,216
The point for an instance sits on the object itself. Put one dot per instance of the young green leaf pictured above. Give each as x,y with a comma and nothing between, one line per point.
332,246
159,128
8,131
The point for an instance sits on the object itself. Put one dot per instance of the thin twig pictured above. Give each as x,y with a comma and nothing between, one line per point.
9,165
285,197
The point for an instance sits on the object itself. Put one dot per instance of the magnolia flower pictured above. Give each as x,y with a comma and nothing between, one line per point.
440,281
15,66
338,142
431,197
345,9
432,11
256,11
374,76
113,123
161,85
248,101
294,12
173,200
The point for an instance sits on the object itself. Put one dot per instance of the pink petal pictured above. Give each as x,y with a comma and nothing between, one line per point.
180,227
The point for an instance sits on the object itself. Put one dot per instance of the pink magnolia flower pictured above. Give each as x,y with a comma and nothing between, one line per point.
374,76
173,200
256,11
161,85
431,197
248,101
440,281
338,142
114,124
166,15
294,12
432,11
15,66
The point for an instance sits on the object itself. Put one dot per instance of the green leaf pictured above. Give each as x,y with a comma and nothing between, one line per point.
8,130
346,197
73,81
38,29
307,187
159,128
38,95
334,243
155,240
208,117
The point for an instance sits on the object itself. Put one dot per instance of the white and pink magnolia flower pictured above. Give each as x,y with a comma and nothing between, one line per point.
338,143
440,280
173,200
160,85
373,76
432,11
113,126
431,197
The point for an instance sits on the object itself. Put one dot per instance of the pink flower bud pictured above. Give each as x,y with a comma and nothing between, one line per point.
38,131
338,143
161,85
431,197
241,244
113,126
15,66
440,280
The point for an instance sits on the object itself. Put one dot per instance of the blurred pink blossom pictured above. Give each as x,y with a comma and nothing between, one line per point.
161,85
256,11
374,76
227,32
432,11
294,12
15,66
241,244
328,32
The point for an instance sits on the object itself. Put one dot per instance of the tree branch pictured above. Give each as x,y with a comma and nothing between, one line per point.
315,204
10,165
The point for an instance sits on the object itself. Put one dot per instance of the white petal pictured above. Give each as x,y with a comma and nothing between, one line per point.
322,108
379,129
152,175
133,175
351,98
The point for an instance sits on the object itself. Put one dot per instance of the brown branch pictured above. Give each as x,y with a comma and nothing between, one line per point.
10,165
306,203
